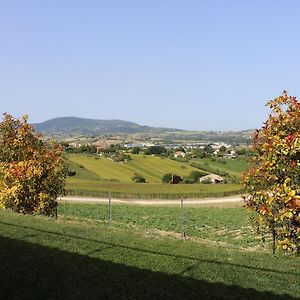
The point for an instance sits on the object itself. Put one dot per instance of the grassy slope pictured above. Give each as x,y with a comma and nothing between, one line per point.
94,181
82,172
152,168
80,259
232,166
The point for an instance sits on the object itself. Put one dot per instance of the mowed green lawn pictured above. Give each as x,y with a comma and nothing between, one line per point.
79,257
150,167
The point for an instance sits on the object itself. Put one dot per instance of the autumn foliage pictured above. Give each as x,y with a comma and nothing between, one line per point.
273,184
32,172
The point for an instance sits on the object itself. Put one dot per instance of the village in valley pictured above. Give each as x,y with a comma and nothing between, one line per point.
120,148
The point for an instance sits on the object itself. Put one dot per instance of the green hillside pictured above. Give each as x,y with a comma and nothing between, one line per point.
97,176
234,167
150,167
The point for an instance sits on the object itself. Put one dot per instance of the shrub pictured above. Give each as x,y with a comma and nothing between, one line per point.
188,180
167,178
137,178
135,150
71,173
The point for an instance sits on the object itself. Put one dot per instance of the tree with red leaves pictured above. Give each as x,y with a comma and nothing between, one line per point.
32,172
273,183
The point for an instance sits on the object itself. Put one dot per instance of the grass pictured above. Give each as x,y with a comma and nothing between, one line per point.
82,172
77,186
234,167
79,258
96,177
150,167
230,226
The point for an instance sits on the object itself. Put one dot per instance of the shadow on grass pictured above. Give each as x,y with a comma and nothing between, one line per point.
111,245
31,271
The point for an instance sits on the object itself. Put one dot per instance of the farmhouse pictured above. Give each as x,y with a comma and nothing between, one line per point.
179,154
213,178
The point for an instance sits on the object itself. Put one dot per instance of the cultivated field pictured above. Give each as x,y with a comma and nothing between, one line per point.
98,176
231,226
232,166
149,190
150,167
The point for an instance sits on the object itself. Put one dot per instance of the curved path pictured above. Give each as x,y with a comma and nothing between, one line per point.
225,200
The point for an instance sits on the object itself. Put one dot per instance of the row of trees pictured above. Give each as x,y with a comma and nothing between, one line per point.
205,152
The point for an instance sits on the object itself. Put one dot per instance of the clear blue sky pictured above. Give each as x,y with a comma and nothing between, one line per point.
200,65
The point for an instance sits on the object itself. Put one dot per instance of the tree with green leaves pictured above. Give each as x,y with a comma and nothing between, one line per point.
167,178
158,150
273,183
137,178
32,171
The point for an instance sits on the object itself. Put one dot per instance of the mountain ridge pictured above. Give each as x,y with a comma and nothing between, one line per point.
85,126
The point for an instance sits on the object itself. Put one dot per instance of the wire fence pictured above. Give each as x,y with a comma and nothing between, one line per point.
229,223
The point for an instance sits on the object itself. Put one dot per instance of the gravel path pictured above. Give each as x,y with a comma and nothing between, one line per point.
155,202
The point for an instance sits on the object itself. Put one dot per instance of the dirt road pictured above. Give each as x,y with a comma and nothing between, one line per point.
155,202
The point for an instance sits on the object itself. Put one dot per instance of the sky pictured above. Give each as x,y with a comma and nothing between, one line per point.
196,65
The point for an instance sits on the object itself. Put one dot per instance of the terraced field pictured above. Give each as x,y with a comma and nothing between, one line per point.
98,176
150,167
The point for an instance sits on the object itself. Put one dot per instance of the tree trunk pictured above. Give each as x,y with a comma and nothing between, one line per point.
274,238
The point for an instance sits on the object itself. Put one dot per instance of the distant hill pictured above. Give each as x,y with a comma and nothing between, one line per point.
91,127
71,126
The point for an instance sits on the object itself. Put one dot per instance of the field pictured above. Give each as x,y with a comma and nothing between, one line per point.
231,226
149,190
98,176
150,167
233,167
79,256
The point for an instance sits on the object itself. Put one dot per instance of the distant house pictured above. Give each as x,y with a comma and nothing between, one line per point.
213,178
179,154
105,144
232,156
75,145
133,145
